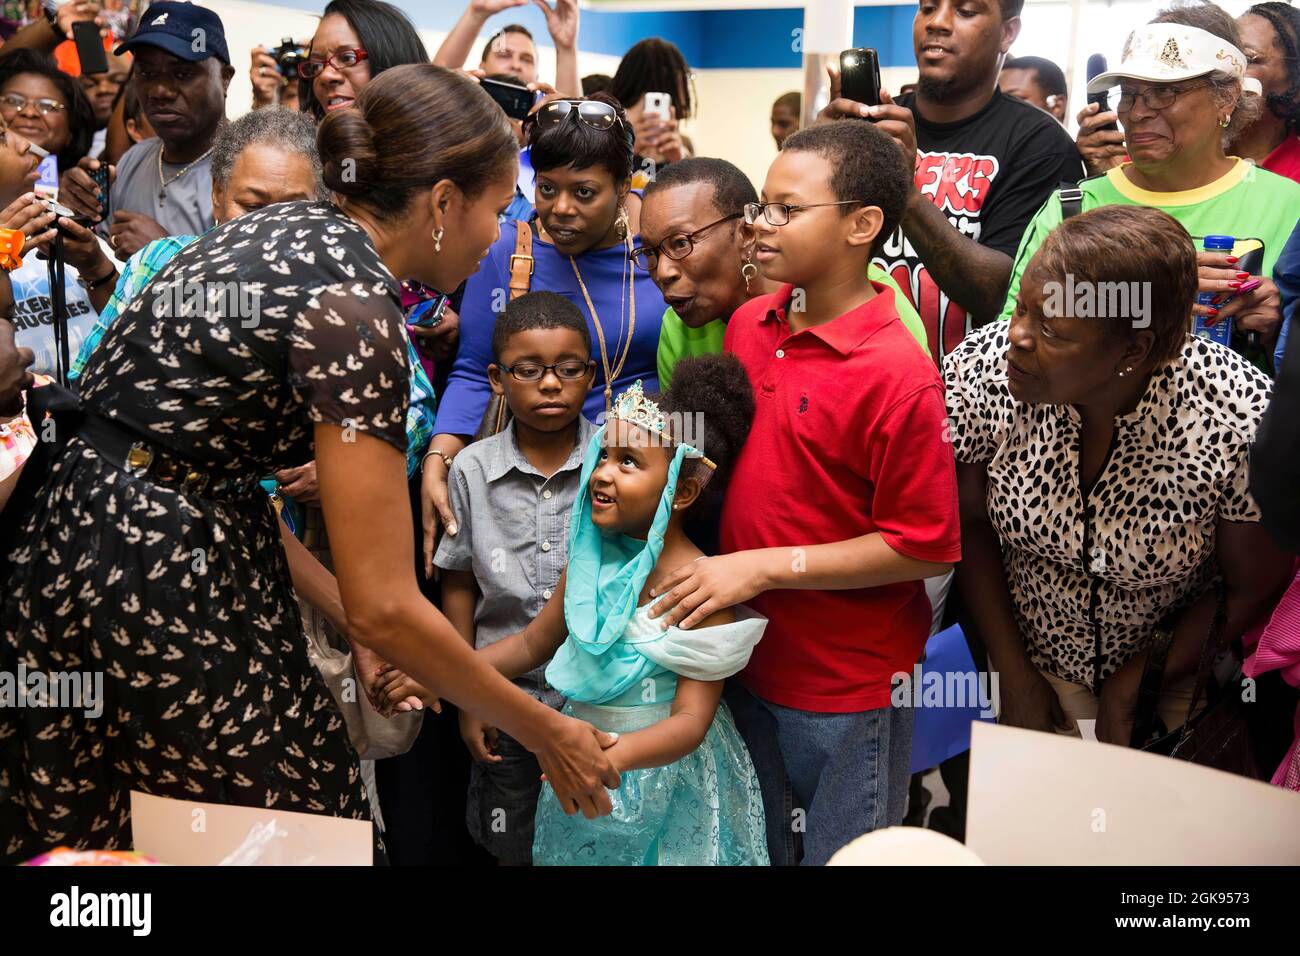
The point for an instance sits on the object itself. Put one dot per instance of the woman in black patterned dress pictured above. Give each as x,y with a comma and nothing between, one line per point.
151,556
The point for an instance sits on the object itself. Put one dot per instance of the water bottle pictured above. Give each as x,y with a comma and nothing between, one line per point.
1221,331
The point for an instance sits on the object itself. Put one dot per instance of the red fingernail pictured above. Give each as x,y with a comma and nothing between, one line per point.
1231,259
1234,285
1243,275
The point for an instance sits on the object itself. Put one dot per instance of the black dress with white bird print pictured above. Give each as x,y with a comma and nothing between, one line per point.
269,323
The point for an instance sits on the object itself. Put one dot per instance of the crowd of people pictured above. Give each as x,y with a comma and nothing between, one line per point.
626,489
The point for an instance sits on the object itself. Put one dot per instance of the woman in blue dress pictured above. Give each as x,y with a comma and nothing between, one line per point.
688,794
580,239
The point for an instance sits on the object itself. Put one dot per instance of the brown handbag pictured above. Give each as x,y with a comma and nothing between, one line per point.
522,266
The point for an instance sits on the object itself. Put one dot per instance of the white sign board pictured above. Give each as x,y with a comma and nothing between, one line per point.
188,833
1040,799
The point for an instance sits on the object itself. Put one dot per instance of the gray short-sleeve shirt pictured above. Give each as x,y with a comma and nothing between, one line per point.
512,532
186,209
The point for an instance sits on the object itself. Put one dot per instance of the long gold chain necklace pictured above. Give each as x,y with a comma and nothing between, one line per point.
627,297
162,190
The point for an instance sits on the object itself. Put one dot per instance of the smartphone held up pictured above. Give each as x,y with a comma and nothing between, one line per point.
517,101
860,76
658,105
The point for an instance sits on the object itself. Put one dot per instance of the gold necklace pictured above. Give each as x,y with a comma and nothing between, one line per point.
612,374
162,190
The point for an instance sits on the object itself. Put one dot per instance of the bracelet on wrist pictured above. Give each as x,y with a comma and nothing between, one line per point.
103,280
432,453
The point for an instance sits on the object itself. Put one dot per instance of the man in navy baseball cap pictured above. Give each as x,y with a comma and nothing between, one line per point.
163,186
185,30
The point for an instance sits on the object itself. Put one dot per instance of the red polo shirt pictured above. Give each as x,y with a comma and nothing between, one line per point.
848,439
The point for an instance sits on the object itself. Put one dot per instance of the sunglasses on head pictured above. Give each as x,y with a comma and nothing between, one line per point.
597,115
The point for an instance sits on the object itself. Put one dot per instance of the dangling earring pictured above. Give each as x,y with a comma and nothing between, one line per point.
621,225
437,240
749,271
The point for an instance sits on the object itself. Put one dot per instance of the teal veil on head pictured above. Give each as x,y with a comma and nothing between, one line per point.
606,573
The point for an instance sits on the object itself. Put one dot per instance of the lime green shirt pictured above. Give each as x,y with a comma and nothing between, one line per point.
677,340
1256,207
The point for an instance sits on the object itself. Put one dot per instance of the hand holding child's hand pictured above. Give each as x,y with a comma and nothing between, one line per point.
696,590
479,738
396,693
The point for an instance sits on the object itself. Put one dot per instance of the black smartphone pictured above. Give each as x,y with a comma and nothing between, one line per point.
1102,99
1096,67
428,315
100,177
517,101
860,76
90,48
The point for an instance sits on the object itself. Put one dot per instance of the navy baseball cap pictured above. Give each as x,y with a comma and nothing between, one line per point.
185,30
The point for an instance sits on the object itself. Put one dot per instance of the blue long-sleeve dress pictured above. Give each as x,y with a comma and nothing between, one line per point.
466,396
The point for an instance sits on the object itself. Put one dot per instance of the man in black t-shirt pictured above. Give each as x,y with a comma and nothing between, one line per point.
985,162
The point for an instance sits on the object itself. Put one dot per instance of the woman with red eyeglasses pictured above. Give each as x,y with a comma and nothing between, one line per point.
355,42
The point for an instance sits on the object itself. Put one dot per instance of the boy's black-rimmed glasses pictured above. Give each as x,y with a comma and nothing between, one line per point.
778,213
569,371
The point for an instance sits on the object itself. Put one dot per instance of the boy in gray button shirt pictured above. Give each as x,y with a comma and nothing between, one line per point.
512,495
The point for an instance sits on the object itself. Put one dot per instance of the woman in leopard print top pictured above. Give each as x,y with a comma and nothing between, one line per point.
1103,467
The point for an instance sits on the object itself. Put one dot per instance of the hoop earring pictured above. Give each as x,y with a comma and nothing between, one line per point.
1225,121
437,240
749,271
621,224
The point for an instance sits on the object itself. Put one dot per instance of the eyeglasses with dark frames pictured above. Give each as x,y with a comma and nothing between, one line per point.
341,60
569,371
778,213
676,247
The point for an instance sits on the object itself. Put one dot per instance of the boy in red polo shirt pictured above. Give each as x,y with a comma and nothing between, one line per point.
843,501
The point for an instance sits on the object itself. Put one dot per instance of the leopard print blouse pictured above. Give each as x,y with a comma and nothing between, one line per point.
1090,583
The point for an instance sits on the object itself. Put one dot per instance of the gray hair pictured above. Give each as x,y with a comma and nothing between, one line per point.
274,125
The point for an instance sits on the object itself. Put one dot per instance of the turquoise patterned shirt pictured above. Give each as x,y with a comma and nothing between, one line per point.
149,261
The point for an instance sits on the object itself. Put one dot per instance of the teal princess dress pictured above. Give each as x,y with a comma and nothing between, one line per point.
619,671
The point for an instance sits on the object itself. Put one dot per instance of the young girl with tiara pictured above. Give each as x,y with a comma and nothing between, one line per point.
688,793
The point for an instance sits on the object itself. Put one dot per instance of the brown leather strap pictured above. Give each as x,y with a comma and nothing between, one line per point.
521,263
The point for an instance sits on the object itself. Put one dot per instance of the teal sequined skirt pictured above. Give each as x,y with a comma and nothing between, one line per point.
702,810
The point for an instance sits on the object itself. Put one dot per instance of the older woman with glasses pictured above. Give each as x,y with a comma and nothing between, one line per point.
578,245
44,112
1181,102
697,246
46,106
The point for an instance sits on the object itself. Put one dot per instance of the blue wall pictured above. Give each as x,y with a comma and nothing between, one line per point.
709,39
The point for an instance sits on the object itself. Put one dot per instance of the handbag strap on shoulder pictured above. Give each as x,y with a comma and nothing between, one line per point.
521,263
